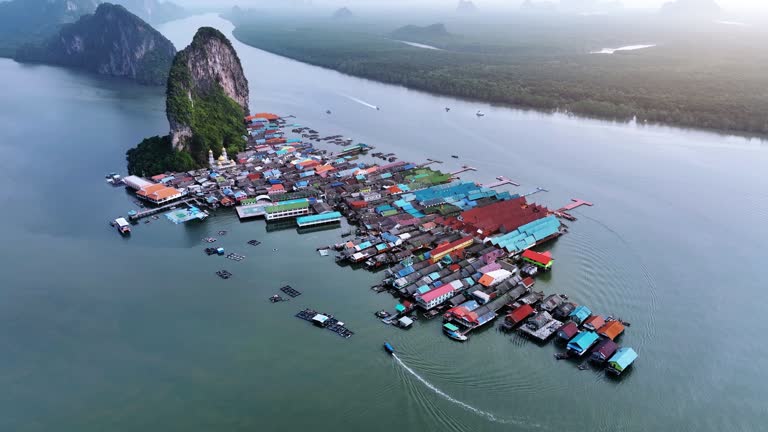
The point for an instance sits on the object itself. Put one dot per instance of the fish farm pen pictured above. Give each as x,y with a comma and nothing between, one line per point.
447,247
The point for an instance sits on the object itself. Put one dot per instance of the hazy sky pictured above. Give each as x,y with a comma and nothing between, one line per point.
729,5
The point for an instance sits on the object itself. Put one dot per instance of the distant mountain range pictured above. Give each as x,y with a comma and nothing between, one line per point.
111,41
25,21
343,13
466,6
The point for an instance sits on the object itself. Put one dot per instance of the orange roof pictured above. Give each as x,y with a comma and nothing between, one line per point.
147,190
394,190
158,177
486,280
164,193
611,330
268,116
324,168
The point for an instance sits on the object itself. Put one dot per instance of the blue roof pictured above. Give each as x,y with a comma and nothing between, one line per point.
319,218
582,341
580,313
406,271
623,358
423,289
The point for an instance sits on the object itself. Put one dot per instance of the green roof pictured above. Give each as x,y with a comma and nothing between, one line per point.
451,327
287,207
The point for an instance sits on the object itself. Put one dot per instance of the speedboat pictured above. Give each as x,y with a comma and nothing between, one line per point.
389,348
479,113
447,109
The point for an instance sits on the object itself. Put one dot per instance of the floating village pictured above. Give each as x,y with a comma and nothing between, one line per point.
466,253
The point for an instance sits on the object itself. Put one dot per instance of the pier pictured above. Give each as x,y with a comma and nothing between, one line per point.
169,206
576,203
501,182
535,191
464,168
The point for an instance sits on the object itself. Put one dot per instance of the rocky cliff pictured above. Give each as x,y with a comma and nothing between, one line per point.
207,95
113,42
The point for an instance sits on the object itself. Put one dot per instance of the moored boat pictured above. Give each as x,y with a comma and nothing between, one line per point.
122,225
453,332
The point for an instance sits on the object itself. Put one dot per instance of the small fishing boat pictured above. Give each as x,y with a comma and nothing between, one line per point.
328,112
479,113
455,156
453,332
447,109
389,348
122,225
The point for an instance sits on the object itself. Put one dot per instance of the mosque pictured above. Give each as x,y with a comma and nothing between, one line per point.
222,163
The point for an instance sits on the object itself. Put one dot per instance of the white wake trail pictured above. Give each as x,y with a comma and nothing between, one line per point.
360,101
443,394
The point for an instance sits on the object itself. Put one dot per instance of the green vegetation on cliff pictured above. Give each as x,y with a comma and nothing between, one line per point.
156,155
206,100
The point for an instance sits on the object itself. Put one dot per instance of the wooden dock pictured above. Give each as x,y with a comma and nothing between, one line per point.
535,191
501,182
576,203
429,162
153,211
464,168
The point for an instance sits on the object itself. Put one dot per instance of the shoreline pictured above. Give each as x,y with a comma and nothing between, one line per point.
620,120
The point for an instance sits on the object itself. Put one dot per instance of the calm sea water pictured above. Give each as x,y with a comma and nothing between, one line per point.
104,333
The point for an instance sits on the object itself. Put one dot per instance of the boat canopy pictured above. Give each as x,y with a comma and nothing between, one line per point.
451,327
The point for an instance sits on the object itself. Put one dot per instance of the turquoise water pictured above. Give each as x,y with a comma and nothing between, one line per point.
106,333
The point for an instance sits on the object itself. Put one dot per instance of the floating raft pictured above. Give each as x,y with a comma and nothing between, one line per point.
236,257
209,239
330,323
277,298
290,291
224,274
254,242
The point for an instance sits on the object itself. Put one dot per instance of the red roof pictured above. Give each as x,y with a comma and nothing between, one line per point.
541,258
435,293
501,216
568,330
520,313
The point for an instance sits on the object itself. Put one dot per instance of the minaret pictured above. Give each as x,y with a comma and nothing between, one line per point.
211,162
224,154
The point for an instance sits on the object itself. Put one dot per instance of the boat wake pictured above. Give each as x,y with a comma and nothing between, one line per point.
360,101
447,397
